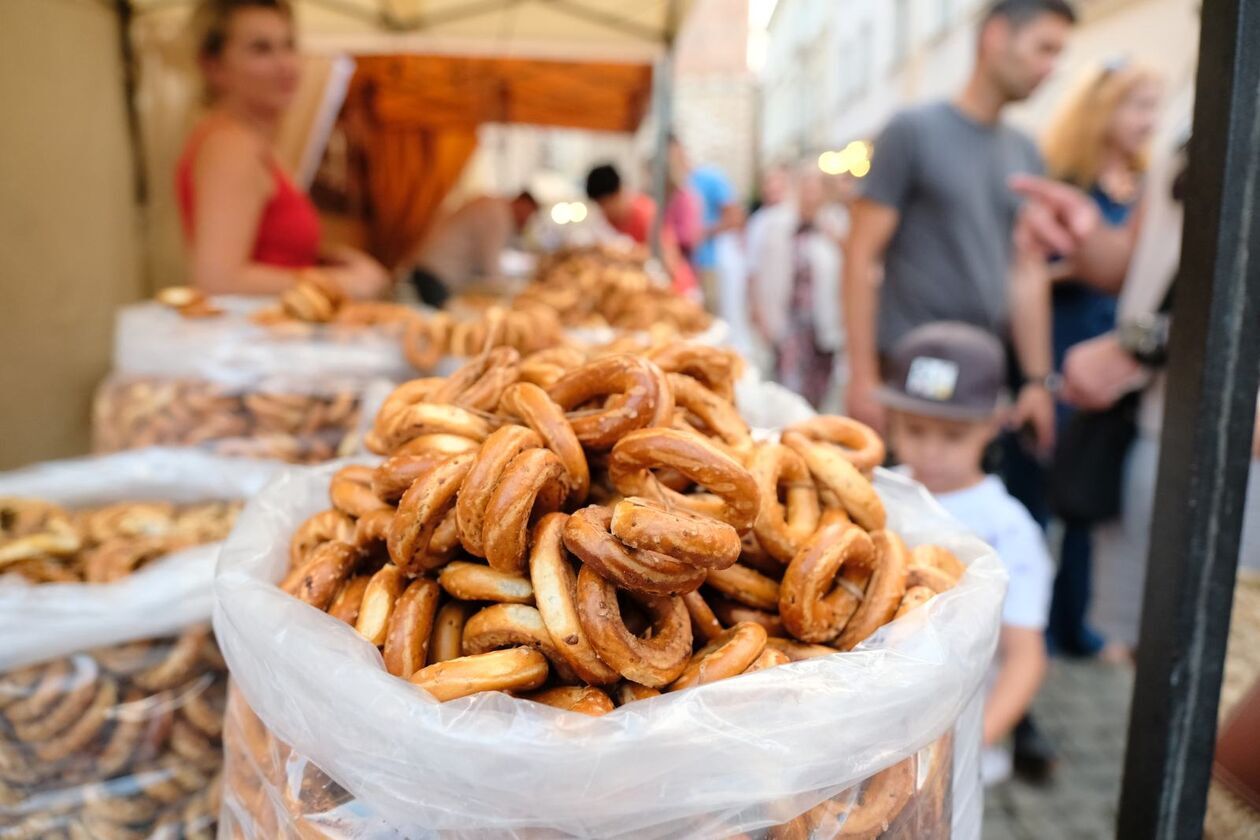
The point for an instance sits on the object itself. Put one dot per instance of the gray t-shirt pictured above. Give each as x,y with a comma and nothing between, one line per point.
950,256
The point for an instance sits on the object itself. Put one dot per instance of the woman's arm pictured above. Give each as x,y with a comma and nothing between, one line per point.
232,187
1022,652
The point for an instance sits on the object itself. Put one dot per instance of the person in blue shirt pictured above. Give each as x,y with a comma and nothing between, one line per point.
720,211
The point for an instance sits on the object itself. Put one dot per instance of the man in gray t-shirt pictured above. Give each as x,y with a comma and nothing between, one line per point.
939,213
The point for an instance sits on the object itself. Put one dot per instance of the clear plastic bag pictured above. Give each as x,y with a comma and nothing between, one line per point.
112,695
290,391
736,756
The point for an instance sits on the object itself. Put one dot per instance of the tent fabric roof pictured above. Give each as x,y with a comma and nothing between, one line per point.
574,30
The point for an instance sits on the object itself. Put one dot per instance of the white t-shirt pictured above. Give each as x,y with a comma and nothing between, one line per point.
1002,522
467,246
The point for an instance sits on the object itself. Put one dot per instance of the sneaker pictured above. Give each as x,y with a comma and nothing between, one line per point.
1035,758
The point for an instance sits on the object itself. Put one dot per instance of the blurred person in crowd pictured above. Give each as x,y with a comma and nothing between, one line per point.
720,212
773,190
1099,144
936,209
466,248
249,228
632,213
944,398
794,278
1129,360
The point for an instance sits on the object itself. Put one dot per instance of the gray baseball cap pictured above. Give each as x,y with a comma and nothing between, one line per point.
946,369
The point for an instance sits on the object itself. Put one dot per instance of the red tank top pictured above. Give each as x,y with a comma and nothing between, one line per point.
288,231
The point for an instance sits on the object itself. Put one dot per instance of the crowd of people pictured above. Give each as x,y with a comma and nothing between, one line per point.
997,307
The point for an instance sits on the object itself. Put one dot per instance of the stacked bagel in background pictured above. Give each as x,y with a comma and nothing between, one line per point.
120,741
585,532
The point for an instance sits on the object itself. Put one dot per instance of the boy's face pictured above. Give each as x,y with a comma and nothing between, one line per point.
945,455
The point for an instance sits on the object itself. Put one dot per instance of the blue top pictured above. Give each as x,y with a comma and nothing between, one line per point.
715,193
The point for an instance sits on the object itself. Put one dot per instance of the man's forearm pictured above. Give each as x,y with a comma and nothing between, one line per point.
1030,318
861,311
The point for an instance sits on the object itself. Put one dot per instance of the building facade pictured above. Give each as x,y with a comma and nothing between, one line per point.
836,70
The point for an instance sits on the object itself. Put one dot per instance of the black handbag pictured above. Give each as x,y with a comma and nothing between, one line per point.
1087,473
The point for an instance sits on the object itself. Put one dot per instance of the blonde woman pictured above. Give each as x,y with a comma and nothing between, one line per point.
1099,144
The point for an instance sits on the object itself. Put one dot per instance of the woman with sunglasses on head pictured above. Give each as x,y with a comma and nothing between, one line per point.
250,229
1098,144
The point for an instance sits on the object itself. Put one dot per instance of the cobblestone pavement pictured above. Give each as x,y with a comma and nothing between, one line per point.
1083,709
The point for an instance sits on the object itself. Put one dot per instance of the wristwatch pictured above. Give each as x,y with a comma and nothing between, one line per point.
1145,338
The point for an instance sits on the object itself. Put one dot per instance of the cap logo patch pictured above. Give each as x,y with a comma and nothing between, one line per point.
932,379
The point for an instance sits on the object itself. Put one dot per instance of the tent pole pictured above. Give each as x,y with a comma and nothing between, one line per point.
1205,451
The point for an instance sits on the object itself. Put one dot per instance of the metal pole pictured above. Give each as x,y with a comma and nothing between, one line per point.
663,113
1206,445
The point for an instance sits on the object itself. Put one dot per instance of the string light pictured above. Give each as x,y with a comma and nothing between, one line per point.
854,159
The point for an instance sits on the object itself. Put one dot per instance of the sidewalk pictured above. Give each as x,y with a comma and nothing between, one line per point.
1083,709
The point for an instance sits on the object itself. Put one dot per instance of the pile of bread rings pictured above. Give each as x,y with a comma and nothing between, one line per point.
134,412
604,532
122,741
527,329
316,299
44,543
599,288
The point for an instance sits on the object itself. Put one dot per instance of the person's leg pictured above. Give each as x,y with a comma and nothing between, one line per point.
1120,550
1068,631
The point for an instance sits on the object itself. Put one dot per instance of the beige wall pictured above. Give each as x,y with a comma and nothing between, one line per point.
67,219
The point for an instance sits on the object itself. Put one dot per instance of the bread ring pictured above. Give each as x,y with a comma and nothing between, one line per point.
587,535
429,418
121,556
19,683
511,625
425,340
884,592
378,603
325,526
484,475
728,655
372,529
349,600
574,698
796,651
938,557
420,513
882,798
555,587
194,747
719,418
532,485
752,555
124,740
833,472
204,704
180,663
412,391
318,580
929,577
714,368
629,692
704,624
84,730
76,696
731,613
636,454
742,584
782,529
447,641
813,607
438,442
539,412
769,658
857,442
514,669
915,597
640,397
395,474
685,536
478,582
351,491
654,662
410,628
501,370
42,695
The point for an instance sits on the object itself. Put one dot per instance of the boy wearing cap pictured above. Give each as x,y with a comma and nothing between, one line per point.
944,395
